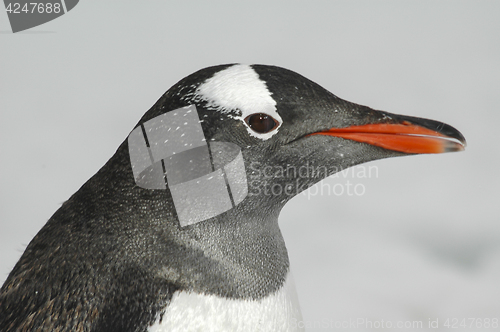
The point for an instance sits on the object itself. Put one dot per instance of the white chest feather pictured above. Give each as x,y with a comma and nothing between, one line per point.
196,312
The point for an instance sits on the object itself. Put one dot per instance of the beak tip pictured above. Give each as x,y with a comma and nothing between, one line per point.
455,146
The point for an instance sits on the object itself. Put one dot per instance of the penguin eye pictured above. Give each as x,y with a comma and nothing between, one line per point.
261,122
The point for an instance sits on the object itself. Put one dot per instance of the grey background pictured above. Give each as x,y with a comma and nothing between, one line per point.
422,243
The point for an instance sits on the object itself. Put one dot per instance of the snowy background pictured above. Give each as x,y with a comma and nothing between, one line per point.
423,242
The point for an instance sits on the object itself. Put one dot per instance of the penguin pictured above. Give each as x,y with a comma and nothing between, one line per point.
178,231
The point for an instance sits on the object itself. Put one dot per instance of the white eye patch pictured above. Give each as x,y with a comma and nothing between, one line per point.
239,89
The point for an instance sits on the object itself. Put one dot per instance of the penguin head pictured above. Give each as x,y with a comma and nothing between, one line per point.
292,132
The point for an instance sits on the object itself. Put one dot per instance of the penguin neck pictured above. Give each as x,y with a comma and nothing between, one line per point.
244,254
237,254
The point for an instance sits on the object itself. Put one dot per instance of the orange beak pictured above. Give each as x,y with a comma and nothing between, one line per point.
404,136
